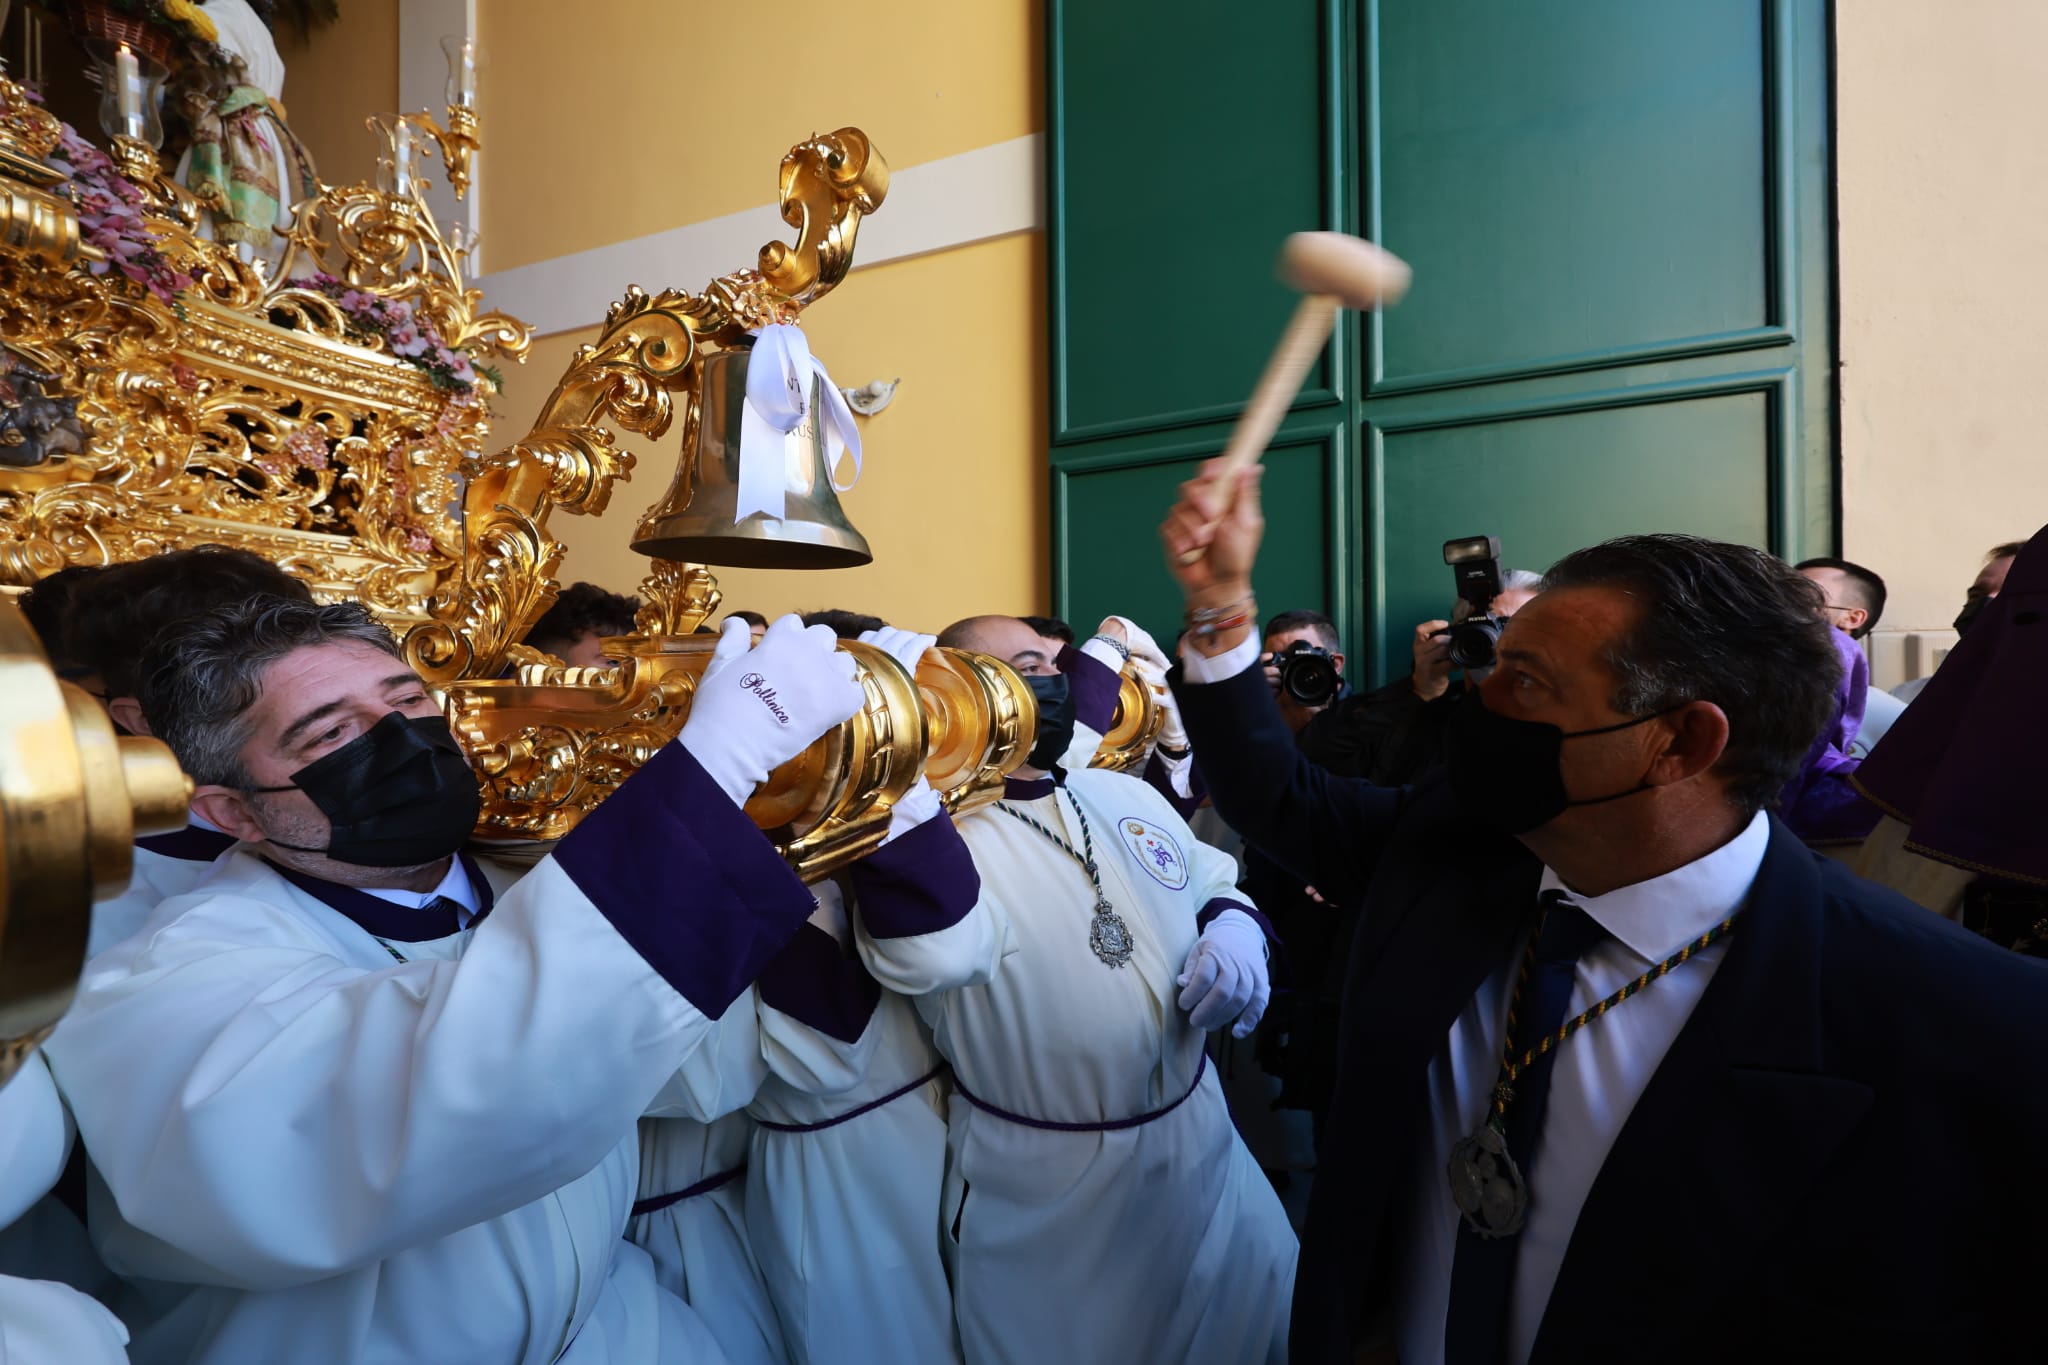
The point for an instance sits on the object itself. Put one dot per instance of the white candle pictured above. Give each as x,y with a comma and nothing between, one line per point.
401,161
128,89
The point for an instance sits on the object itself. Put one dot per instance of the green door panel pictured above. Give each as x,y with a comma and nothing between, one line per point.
1570,181
1110,554
1619,216
1552,482
1188,138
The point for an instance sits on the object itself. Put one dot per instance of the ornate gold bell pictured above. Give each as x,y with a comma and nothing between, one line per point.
698,521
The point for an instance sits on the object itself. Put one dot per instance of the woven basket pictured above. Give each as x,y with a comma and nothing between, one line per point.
92,21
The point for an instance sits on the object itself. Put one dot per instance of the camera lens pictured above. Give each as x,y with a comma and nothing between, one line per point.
1472,642
1310,678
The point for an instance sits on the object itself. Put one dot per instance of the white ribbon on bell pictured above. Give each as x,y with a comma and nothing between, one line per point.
779,374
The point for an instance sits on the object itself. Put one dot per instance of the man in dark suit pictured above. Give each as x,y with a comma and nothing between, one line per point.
1626,1072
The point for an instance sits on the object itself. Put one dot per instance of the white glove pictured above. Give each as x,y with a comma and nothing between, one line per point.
1225,976
748,718
920,803
1172,733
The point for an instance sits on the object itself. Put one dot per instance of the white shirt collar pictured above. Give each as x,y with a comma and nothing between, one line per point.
455,886
1656,918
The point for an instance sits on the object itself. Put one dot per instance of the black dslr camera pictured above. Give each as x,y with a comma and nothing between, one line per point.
1308,674
1475,565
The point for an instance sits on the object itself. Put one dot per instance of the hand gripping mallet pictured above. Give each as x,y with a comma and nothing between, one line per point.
1332,271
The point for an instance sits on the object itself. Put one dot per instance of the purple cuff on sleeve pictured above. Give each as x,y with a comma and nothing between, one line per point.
1159,779
687,880
920,883
1095,686
1278,970
818,983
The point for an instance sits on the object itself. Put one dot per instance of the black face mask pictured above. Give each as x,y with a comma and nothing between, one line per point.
1055,720
1972,609
1507,774
399,795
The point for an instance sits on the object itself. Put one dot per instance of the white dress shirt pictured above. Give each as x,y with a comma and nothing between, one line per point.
1599,1074
455,886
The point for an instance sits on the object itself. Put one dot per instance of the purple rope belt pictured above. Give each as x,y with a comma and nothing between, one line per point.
852,1114
1115,1125
704,1186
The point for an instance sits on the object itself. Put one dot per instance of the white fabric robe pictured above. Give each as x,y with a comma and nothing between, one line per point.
699,1245
43,1322
319,1154
845,1218
1162,1242
165,866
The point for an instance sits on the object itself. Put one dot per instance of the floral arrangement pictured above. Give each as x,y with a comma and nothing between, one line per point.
110,217
409,336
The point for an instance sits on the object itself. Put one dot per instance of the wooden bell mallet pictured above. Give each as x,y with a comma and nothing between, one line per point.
1332,270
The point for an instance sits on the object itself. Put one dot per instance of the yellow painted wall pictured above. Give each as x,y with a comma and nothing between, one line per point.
612,119
1943,206
953,498
342,75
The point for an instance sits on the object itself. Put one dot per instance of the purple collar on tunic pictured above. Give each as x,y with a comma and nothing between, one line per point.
1961,766
1033,789
192,844
383,919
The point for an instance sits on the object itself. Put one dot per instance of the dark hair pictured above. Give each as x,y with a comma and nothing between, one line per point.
200,678
1726,624
2009,550
1051,627
116,615
1867,586
582,609
752,618
47,606
847,625
1325,629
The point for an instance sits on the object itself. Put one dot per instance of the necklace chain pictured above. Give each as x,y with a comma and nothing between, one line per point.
1511,1067
1087,840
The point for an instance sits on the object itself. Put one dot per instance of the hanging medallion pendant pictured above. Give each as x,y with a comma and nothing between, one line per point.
1486,1184
1109,936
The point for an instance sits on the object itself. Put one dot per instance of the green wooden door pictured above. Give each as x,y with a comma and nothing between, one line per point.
1617,214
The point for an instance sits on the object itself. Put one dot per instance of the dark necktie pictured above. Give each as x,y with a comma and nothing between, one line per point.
1482,1276
448,911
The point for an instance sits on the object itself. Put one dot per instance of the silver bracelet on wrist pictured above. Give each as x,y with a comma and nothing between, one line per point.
1123,650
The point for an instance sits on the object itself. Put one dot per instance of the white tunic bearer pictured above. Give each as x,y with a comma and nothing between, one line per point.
1109,1212
332,1132
43,1322
848,1164
691,1213
166,865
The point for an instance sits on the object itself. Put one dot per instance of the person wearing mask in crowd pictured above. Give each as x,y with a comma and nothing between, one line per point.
1725,1049
358,1096
848,1135
757,624
574,628
1985,586
110,620
1966,827
1855,600
1394,734
1100,1207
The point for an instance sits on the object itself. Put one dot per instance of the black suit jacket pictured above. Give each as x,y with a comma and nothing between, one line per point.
1844,1156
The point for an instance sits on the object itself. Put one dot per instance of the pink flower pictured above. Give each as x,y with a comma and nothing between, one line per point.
406,341
418,541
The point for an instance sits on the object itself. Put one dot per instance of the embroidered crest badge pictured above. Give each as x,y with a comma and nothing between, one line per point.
1156,852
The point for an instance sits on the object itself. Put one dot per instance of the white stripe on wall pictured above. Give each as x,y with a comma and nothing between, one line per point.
990,192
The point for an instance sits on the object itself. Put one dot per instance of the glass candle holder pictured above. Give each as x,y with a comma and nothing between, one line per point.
465,59
131,91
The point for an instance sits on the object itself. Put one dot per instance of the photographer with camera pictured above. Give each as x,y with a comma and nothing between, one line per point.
1733,1068
1394,734
1304,663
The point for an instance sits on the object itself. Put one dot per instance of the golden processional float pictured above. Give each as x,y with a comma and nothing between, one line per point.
326,405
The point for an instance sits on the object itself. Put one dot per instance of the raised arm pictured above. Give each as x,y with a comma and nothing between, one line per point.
1327,831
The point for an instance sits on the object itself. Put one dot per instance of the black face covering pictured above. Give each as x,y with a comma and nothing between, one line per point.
1972,609
1506,773
1055,720
399,795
